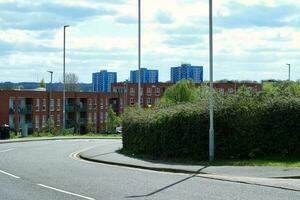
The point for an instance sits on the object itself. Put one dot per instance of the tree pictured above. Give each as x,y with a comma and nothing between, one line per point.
112,119
182,91
42,83
72,84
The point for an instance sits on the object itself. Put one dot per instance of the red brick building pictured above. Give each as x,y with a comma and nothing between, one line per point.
34,110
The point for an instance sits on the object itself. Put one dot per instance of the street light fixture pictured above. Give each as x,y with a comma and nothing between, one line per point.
64,79
50,98
289,71
211,88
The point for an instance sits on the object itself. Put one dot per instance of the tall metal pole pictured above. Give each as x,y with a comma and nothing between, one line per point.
64,80
289,71
211,100
50,91
139,55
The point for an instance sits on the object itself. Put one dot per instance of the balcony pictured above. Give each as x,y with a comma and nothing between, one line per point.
70,108
25,110
82,121
81,108
26,125
11,111
70,123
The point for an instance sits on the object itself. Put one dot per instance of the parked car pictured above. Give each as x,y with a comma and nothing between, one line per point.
119,129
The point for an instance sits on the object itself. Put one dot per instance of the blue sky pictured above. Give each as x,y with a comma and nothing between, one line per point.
254,39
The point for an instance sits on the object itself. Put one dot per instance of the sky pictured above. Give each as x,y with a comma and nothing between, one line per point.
253,39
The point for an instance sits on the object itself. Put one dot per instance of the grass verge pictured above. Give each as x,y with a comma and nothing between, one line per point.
272,162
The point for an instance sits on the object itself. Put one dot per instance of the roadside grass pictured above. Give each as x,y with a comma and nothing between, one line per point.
271,162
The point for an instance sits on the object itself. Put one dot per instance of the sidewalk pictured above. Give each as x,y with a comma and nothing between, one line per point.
285,178
108,154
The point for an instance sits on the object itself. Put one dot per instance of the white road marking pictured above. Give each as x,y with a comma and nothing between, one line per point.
6,150
66,192
3,172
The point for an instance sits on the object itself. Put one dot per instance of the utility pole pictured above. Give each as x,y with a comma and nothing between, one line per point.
211,88
64,79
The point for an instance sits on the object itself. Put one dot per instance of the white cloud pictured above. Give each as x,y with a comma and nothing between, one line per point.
99,41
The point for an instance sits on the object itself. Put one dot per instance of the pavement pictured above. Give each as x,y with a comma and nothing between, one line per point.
109,155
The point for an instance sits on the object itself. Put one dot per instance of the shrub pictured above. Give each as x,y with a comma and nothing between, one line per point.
245,127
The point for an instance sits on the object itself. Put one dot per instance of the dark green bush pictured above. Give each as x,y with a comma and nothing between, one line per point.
245,127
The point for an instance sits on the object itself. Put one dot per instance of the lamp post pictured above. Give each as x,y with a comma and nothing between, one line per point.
139,54
211,100
64,79
50,98
125,93
289,71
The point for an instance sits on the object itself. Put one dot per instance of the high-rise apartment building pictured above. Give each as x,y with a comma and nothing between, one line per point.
147,76
102,81
188,72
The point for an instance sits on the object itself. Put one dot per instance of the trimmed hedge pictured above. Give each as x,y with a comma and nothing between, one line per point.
245,127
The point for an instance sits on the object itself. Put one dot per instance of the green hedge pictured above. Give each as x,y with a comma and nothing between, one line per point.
245,127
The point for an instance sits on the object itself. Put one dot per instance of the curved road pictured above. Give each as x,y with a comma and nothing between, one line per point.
46,170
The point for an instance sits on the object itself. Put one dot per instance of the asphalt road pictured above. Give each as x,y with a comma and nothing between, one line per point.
46,170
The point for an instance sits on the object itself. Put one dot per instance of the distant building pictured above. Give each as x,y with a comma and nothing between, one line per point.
187,71
102,81
147,76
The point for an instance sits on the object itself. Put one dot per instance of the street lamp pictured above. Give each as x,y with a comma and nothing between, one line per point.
211,89
64,79
289,71
139,54
50,91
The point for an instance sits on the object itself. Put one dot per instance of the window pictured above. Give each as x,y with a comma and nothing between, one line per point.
149,101
37,105
95,103
141,101
90,103
106,116
121,102
132,92
101,117
11,105
44,121
221,91
44,104
149,91
157,100
95,118
58,120
230,90
157,91
58,104
52,105
131,101
101,102
37,122
90,117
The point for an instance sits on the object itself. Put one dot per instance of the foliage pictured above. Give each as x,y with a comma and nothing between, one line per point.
113,121
281,88
183,91
246,126
42,83
72,84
